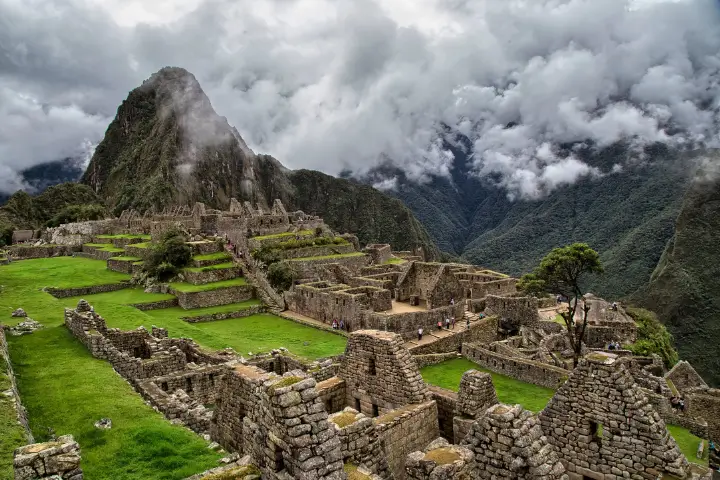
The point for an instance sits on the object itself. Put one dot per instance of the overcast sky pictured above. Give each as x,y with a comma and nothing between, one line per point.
341,84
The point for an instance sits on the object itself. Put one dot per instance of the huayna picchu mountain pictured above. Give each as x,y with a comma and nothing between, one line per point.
168,146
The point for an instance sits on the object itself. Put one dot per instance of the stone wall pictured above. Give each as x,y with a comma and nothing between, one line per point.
212,298
13,393
309,268
123,266
317,251
211,275
526,370
159,305
439,461
500,287
601,423
332,393
407,324
80,291
684,376
380,373
404,431
359,441
59,459
508,442
446,401
519,311
254,310
23,235
482,331
704,403
76,234
434,358
379,253
138,252
27,252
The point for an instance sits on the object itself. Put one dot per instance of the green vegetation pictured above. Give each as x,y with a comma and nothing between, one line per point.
442,456
285,382
219,266
286,234
344,419
653,337
394,261
281,276
688,444
211,256
564,271
66,390
77,213
128,259
13,435
168,256
189,287
353,473
141,245
272,253
325,257
509,390
237,473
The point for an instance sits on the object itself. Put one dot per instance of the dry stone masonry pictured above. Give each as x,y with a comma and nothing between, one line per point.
59,459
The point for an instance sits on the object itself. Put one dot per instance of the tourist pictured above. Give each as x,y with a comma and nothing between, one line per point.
611,346
559,299
334,325
342,324
439,324
681,404
712,447
467,322
452,301
613,307
447,323
420,332
452,321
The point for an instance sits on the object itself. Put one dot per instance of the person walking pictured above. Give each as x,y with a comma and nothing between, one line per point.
342,324
467,324
420,333
447,323
452,321
439,324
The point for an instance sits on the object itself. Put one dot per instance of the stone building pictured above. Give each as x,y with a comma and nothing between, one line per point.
601,423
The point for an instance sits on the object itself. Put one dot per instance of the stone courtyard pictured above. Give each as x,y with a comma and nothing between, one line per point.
368,411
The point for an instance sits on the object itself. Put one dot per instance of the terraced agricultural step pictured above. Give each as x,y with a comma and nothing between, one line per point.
212,294
205,247
212,274
208,260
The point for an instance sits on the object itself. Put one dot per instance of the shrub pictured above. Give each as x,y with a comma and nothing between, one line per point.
652,337
281,276
168,256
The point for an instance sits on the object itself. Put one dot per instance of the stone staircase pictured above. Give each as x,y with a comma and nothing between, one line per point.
470,315
274,301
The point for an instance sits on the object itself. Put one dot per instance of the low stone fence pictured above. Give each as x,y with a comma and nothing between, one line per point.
254,310
446,404
407,324
211,275
14,394
482,331
79,291
159,305
316,251
139,252
319,326
59,459
406,430
206,247
332,393
123,266
306,268
529,371
27,252
212,298
434,358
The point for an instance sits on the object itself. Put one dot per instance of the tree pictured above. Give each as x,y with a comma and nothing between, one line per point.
563,272
281,276
652,337
168,256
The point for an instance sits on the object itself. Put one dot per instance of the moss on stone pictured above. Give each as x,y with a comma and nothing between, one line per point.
344,419
285,382
353,473
237,473
442,456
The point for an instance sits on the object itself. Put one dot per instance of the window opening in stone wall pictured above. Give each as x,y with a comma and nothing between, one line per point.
136,352
357,404
272,367
279,461
376,411
212,379
188,385
164,386
596,432
371,366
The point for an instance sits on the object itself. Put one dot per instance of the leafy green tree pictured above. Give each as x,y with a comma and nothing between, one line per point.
652,337
77,213
563,271
168,256
281,276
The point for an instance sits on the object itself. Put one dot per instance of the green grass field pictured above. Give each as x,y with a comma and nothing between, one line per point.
12,435
219,266
688,444
212,256
66,390
324,257
111,237
189,287
509,390
283,235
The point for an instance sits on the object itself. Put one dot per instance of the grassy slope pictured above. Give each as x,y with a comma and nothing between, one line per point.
509,390
12,434
688,444
188,287
67,390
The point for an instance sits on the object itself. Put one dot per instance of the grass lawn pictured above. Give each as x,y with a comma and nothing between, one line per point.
189,287
283,235
324,257
12,435
219,266
66,390
688,444
509,390
128,259
212,256
394,261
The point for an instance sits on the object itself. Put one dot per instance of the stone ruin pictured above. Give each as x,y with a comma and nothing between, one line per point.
55,460
602,423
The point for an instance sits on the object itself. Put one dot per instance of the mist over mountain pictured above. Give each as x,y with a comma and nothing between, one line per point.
37,179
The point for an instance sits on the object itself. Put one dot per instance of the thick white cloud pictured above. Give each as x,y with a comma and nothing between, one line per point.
334,84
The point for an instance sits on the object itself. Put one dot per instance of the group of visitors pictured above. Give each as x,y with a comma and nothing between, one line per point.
613,345
338,325
678,403
449,323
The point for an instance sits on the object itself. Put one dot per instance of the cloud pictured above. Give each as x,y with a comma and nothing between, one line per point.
353,84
